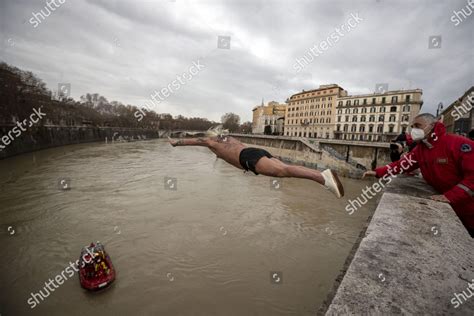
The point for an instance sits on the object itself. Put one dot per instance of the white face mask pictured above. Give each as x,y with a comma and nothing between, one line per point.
417,134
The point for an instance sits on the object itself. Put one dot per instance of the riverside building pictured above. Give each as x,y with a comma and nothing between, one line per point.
268,119
378,116
313,113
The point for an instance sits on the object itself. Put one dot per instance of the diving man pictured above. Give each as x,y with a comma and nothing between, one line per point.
260,161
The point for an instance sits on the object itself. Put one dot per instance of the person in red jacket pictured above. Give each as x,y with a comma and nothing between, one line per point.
446,162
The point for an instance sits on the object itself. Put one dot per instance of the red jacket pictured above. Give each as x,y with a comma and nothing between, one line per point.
448,166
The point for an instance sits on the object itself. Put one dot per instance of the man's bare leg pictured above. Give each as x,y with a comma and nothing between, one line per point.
274,167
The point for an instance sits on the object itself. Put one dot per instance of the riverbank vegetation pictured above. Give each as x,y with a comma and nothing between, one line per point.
22,91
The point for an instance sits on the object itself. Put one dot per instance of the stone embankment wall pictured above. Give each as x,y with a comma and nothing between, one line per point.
41,137
415,258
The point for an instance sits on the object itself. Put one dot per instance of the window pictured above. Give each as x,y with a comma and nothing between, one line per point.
381,118
383,100
354,119
347,111
372,118
390,128
340,103
372,109
328,120
356,110
392,118
348,102
338,127
347,118
364,102
354,128
380,129
362,128
364,110
362,118
346,128
394,99
382,109
371,128
356,102
373,100
393,109
407,98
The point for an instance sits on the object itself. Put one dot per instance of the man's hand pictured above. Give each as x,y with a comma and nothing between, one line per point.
368,174
439,198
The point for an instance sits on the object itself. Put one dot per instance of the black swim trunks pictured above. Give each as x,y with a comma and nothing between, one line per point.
249,156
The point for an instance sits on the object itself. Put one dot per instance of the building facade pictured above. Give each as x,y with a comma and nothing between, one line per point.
268,119
376,117
313,113
459,116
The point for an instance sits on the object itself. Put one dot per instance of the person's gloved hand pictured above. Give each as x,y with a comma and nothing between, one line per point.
439,198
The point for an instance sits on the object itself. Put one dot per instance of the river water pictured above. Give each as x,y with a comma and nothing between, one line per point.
210,247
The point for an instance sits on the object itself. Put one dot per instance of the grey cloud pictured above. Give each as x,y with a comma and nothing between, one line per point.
126,49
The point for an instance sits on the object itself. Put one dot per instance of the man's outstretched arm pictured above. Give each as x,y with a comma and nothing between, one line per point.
200,141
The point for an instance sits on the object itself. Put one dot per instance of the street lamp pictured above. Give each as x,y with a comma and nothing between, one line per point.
440,107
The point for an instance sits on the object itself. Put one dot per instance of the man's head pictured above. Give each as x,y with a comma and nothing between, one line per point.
422,126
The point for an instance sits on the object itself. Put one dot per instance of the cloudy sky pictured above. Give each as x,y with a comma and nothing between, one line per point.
125,50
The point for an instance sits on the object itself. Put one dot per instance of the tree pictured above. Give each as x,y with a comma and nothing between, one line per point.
21,92
231,121
245,128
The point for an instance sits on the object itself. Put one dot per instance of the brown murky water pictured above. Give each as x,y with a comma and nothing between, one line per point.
206,248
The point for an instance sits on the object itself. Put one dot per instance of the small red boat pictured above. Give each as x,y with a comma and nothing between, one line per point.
95,267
